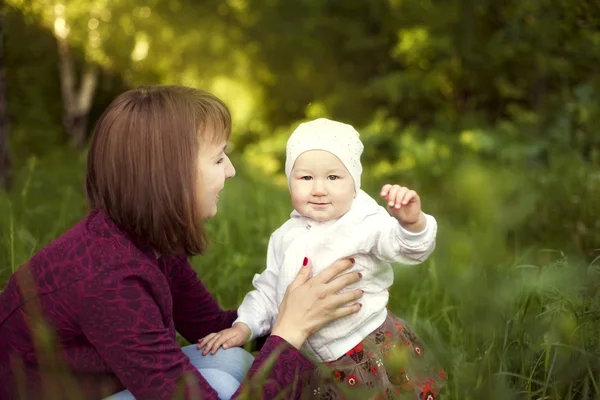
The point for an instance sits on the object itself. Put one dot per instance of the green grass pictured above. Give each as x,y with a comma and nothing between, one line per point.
505,325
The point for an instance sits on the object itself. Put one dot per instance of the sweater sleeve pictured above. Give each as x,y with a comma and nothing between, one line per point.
391,243
122,320
195,311
279,371
259,308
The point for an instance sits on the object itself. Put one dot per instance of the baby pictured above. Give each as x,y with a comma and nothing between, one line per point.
333,219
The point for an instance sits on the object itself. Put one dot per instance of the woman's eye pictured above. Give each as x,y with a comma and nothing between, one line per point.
333,177
220,161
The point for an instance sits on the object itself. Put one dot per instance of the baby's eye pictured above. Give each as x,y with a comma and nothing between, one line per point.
306,178
333,177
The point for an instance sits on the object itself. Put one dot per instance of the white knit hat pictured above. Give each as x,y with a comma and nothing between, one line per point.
340,139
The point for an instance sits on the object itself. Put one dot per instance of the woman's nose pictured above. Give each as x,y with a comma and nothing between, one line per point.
229,169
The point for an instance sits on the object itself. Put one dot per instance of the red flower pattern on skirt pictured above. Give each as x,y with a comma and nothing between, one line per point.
368,366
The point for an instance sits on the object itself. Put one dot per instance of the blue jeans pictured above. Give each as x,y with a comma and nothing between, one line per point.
224,371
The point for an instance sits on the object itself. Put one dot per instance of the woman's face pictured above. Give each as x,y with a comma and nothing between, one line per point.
213,168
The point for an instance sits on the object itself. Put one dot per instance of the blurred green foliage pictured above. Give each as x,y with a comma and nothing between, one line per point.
491,109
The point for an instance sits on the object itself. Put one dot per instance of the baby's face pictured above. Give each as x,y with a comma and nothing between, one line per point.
320,185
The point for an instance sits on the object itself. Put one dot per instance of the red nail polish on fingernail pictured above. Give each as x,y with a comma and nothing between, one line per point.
359,275
352,260
305,262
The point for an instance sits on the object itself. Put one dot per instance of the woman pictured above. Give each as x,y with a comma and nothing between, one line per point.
117,286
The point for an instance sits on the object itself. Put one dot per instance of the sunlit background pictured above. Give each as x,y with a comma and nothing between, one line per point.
489,109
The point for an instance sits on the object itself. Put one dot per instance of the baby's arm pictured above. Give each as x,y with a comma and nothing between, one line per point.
259,307
394,238
257,312
391,243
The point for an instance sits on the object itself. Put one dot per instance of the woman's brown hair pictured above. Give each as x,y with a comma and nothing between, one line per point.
142,164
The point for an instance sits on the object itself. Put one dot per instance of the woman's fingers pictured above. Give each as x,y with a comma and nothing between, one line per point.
302,276
342,281
310,303
346,310
343,299
332,271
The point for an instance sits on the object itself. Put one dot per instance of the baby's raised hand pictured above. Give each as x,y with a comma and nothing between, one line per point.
404,205
230,337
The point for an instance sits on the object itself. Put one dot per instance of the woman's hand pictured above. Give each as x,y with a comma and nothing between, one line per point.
311,303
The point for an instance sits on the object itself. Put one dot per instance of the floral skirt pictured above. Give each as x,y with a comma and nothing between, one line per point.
390,363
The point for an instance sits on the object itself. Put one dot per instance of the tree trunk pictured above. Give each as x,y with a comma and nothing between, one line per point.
5,173
76,102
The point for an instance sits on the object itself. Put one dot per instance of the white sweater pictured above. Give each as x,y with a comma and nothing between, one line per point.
370,235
